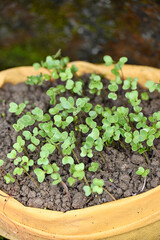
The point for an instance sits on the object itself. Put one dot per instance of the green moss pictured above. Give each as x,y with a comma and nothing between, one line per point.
2,238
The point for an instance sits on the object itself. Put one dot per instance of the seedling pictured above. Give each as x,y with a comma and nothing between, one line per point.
3,114
9,178
96,187
95,84
111,180
142,172
17,108
77,128
1,162
152,86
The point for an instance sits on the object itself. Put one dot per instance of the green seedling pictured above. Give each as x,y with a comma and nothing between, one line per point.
95,85
16,108
32,80
1,162
142,172
77,171
18,146
144,96
8,178
56,177
3,114
54,92
130,83
77,129
152,86
40,174
96,187
111,180
94,167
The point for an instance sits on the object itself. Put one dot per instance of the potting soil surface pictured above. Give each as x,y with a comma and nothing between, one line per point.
119,172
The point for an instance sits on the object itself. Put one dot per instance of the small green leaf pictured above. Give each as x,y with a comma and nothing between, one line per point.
13,107
79,167
46,77
67,160
35,131
18,171
126,84
48,168
99,109
112,96
43,161
84,128
123,59
78,87
145,173
69,84
21,107
94,134
113,87
9,178
87,190
48,147
79,174
17,160
158,125
1,162
40,174
36,66
98,182
56,177
89,142
57,54
71,181
140,171
67,104
31,147
44,153
38,113
54,74
55,167
93,114
69,119
12,154
150,85
99,144
144,96
90,122
18,147
27,135
94,167
97,185
33,80
108,60
26,121
35,141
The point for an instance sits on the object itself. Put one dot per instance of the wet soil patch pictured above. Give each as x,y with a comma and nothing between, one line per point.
121,165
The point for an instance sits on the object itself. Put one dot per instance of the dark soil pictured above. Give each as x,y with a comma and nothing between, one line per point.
121,164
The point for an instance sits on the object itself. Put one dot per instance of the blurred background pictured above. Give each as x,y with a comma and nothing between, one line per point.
84,30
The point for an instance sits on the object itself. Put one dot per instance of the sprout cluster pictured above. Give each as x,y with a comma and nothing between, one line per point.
74,124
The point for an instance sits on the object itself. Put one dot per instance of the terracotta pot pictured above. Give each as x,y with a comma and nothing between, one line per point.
132,218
